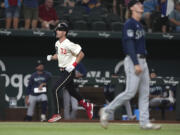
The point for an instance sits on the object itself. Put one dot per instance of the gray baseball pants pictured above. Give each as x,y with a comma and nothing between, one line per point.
134,83
32,102
70,105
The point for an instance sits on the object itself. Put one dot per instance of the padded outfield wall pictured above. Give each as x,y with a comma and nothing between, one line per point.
103,52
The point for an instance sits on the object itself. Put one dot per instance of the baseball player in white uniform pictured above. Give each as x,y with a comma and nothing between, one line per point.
68,55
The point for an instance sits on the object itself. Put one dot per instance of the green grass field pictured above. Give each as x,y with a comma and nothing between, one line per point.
60,128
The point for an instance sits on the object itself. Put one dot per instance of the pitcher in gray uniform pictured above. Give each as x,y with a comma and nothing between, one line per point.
136,69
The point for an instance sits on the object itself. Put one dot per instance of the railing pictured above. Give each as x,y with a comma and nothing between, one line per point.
84,34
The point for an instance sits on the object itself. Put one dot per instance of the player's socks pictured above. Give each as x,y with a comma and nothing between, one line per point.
89,108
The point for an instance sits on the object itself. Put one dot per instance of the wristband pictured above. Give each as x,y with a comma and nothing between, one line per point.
74,64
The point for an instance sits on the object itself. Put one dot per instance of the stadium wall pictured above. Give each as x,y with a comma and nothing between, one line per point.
18,55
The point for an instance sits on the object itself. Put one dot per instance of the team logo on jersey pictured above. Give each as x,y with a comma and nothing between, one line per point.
139,34
130,33
63,51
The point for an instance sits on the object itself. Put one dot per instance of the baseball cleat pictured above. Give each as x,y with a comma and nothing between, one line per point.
132,117
43,117
54,118
103,118
150,126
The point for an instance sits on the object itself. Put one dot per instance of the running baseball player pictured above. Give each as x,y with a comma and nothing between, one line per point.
136,69
37,91
68,55
70,103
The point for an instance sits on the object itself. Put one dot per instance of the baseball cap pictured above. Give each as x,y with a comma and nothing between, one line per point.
152,70
132,2
62,27
39,62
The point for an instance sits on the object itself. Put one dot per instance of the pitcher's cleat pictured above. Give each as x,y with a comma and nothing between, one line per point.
103,118
150,126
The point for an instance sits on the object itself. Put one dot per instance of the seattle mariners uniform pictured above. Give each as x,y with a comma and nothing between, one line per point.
161,94
68,55
37,91
136,69
109,92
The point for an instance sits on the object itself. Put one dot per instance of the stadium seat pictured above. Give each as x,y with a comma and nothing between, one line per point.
2,22
80,25
2,18
62,12
116,26
99,25
93,18
75,17
99,10
79,9
112,18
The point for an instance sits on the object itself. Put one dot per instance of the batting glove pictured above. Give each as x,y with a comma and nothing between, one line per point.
49,57
71,67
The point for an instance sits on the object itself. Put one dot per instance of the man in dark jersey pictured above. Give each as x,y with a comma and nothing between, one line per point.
37,91
136,69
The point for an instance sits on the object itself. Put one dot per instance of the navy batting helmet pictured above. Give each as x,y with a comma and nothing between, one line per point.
63,26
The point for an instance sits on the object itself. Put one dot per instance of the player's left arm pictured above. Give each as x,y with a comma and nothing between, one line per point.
80,70
76,50
79,57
